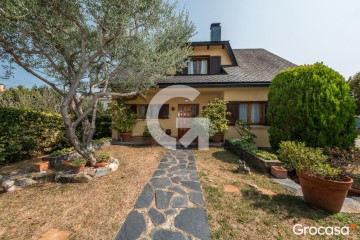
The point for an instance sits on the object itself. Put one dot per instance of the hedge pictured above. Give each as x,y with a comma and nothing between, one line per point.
311,104
25,133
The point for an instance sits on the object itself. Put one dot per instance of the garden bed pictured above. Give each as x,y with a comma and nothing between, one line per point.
251,159
55,159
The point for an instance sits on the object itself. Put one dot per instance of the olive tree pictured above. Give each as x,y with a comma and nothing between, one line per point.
89,49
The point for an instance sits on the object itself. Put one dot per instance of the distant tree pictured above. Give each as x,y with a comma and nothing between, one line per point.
89,49
311,104
354,84
40,99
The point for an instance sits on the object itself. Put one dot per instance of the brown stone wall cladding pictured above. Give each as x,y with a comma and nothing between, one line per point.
253,160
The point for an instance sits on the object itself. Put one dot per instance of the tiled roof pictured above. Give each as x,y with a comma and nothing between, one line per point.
254,66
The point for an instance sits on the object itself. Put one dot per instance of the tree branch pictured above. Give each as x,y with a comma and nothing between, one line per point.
28,69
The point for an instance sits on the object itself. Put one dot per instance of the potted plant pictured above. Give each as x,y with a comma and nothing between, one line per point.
216,112
348,162
78,165
123,120
323,179
103,160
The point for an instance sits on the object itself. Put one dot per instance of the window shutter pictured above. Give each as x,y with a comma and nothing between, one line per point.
164,112
215,64
233,108
133,108
266,118
185,71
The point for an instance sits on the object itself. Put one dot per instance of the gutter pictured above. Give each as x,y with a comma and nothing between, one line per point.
215,85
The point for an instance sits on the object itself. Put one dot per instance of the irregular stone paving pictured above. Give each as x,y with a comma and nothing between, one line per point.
171,206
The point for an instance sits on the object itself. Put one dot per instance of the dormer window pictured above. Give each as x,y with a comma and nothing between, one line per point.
198,66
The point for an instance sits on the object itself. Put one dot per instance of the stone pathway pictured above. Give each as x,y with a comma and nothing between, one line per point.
171,205
351,204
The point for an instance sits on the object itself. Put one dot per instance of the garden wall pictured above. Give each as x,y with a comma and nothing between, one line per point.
251,159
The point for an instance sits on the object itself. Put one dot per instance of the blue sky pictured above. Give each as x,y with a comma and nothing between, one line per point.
303,32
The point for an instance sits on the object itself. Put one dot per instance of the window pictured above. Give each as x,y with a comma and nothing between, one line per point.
250,112
163,112
198,66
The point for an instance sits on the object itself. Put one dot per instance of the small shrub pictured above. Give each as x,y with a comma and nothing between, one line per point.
247,146
216,111
146,132
243,144
244,130
266,155
346,160
123,118
101,140
308,160
78,162
61,152
104,157
103,126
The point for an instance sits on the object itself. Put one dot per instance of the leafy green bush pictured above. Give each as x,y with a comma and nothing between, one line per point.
346,160
311,104
266,155
308,160
103,126
247,146
78,162
25,133
61,152
123,118
244,144
146,132
216,111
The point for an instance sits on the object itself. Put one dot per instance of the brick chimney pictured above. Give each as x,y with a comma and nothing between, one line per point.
215,34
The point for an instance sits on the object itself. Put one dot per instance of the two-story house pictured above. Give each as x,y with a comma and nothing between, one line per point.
240,76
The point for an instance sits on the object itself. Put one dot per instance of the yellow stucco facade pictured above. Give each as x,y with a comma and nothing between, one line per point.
206,95
216,50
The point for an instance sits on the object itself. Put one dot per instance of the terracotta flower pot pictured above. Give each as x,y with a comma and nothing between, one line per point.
100,164
324,194
41,166
126,137
217,138
79,168
65,163
279,172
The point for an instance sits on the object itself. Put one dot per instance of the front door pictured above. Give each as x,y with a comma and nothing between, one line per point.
187,111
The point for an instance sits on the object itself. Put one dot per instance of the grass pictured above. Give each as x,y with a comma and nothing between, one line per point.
251,215
91,211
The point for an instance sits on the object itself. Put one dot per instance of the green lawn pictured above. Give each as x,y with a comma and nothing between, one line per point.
251,215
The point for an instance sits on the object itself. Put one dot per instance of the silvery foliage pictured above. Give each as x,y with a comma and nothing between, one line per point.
89,49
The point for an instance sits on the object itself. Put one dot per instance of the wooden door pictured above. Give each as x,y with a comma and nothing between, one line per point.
186,111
